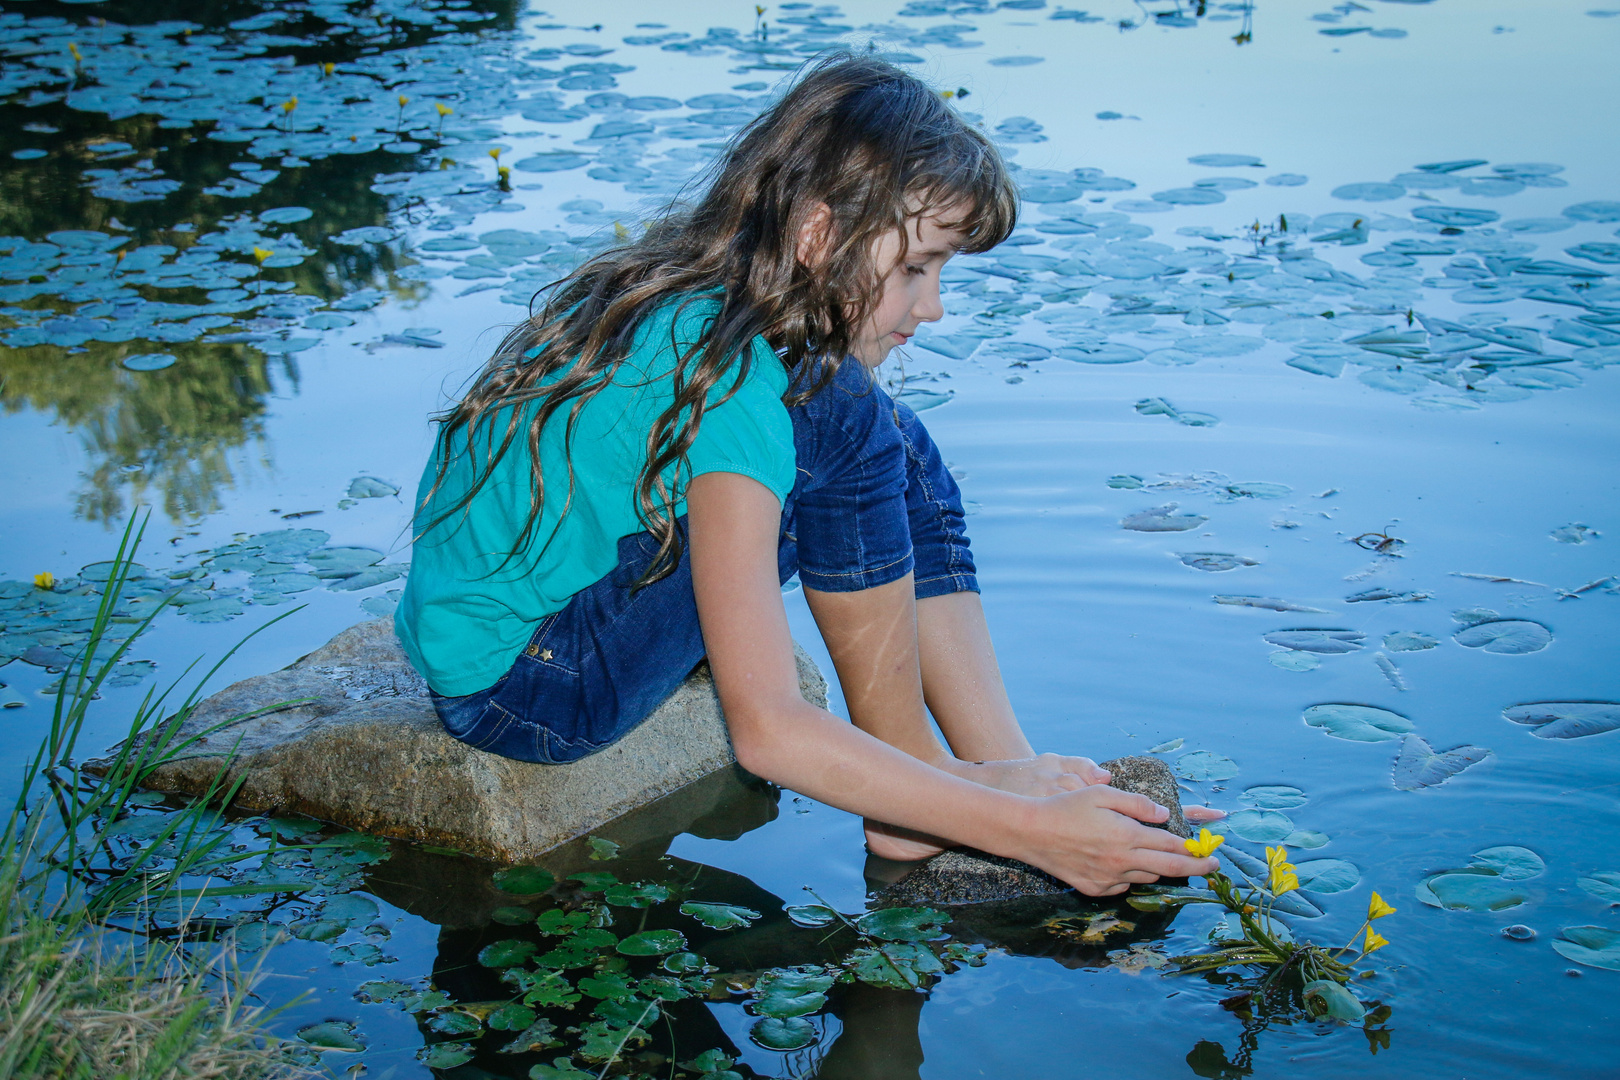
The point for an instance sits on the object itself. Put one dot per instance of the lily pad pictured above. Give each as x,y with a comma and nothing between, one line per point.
445,1055
525,880
1409,641
1566,719
1357,723
1161,519
811,915
653,943
1327,642
1327,875
1259,825
1325,998
1274,796
332,1035
1510,637
1419,766
1593,946
1204,765
1605,885
286,215
1289,660
1511,862
1462,890
903,924
149,361
1215,562
720,916
792,1033
1370,192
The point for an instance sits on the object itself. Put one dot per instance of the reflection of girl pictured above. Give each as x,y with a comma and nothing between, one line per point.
678,432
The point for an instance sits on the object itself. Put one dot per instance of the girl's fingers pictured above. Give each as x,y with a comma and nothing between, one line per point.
1202,813
1139,807
1170,864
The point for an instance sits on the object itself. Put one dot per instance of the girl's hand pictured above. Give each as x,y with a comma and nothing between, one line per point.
1094,840
1202,814
1043,774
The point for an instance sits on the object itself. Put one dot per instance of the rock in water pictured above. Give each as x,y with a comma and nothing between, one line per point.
974,877
348,735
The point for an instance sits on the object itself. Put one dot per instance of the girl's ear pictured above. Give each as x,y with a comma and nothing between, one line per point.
810,243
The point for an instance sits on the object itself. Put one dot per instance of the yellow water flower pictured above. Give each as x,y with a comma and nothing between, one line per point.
1276,856
74,49
1377,908
403,101
1283,877
495,152
47,580
261,254
620,233
444,110
290,104
1204,845
1374,942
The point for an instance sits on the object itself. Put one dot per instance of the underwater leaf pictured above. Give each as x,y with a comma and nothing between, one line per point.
811,915
508,953
1166,747
1260,826
524,880
511,916
1419,766
1409,641
1510,637
1162,519
1255,870
1511,862
1214,562
793,1033
1566,719
1326,998
456,1022
445,1055
653,943
719,916
903,924
1327,875
1203,765
332,1035
1289,660
1327,642
1593,946
602,850
1605,885
1273,796
1267,603
1357,723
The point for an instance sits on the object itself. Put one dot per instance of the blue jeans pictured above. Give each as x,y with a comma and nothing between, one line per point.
873,502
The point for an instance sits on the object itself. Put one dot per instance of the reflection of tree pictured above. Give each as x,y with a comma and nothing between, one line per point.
180,425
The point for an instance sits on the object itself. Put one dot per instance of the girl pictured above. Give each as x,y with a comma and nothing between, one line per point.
690,420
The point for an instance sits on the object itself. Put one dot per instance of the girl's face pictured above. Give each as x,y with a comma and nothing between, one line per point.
909,289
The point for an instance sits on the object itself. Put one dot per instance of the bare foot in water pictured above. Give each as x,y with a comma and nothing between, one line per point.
901,845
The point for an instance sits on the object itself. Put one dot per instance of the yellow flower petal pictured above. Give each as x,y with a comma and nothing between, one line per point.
1283,880
47,580
1377,908
1204,845
1374,941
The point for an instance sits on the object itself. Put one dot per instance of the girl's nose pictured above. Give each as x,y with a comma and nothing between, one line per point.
929,307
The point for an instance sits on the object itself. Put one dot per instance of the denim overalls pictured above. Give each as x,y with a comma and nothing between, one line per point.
872,502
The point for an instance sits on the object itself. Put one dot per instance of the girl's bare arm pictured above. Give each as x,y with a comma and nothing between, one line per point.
1086,837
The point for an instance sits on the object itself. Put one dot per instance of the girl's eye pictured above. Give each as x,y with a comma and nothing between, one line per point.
916,269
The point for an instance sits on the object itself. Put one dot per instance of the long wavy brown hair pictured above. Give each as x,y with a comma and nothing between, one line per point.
855,134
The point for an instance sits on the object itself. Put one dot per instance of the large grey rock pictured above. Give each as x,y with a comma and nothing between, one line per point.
348,735
973,877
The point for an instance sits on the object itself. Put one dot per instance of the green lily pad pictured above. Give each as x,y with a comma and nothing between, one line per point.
1327,875
900,965
640,895
1306,839
525,880
445,1055
791,993
382,990
792,1033
1593,946
1419,766
508,953
903,924
1325,998
719,916
1204,765
1566,719
1511,862
682,963
653,943
561,1068
1357,723
1470,890
602,850
811,915
1260,826
1510,637
595,880
455,1022
332,1035
511,916
1274,796
1605,885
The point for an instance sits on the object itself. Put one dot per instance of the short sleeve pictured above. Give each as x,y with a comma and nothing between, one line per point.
749,432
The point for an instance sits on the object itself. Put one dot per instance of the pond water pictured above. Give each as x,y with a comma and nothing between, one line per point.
1286,421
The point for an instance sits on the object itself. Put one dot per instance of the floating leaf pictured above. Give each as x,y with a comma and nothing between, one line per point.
1289,660
445,1055
1357,723
1566,719
1162,519
903,924
811,915
793,1033
1203,765
1409,641
719,916
1511,862
1327,875
1260,826
512,916
1326,998
1470,890
456,1022
1605,885
1419,766
1593,946
514,1017
1268,603
1274,796
525,880
602,850
509,953
1167,747
149,361
332,1035
1317,641
1307,839
640,895
653,943
1510,637
1215,562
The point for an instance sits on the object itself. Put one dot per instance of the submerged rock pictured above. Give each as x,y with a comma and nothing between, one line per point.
965,876
348,735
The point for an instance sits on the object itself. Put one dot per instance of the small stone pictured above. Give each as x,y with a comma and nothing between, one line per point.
1519,932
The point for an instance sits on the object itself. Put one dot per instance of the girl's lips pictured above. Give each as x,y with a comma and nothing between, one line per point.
901,338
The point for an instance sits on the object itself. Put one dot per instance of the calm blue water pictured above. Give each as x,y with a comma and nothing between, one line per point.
1110,643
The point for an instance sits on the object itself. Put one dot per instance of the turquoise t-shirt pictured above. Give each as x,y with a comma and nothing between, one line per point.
462,621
